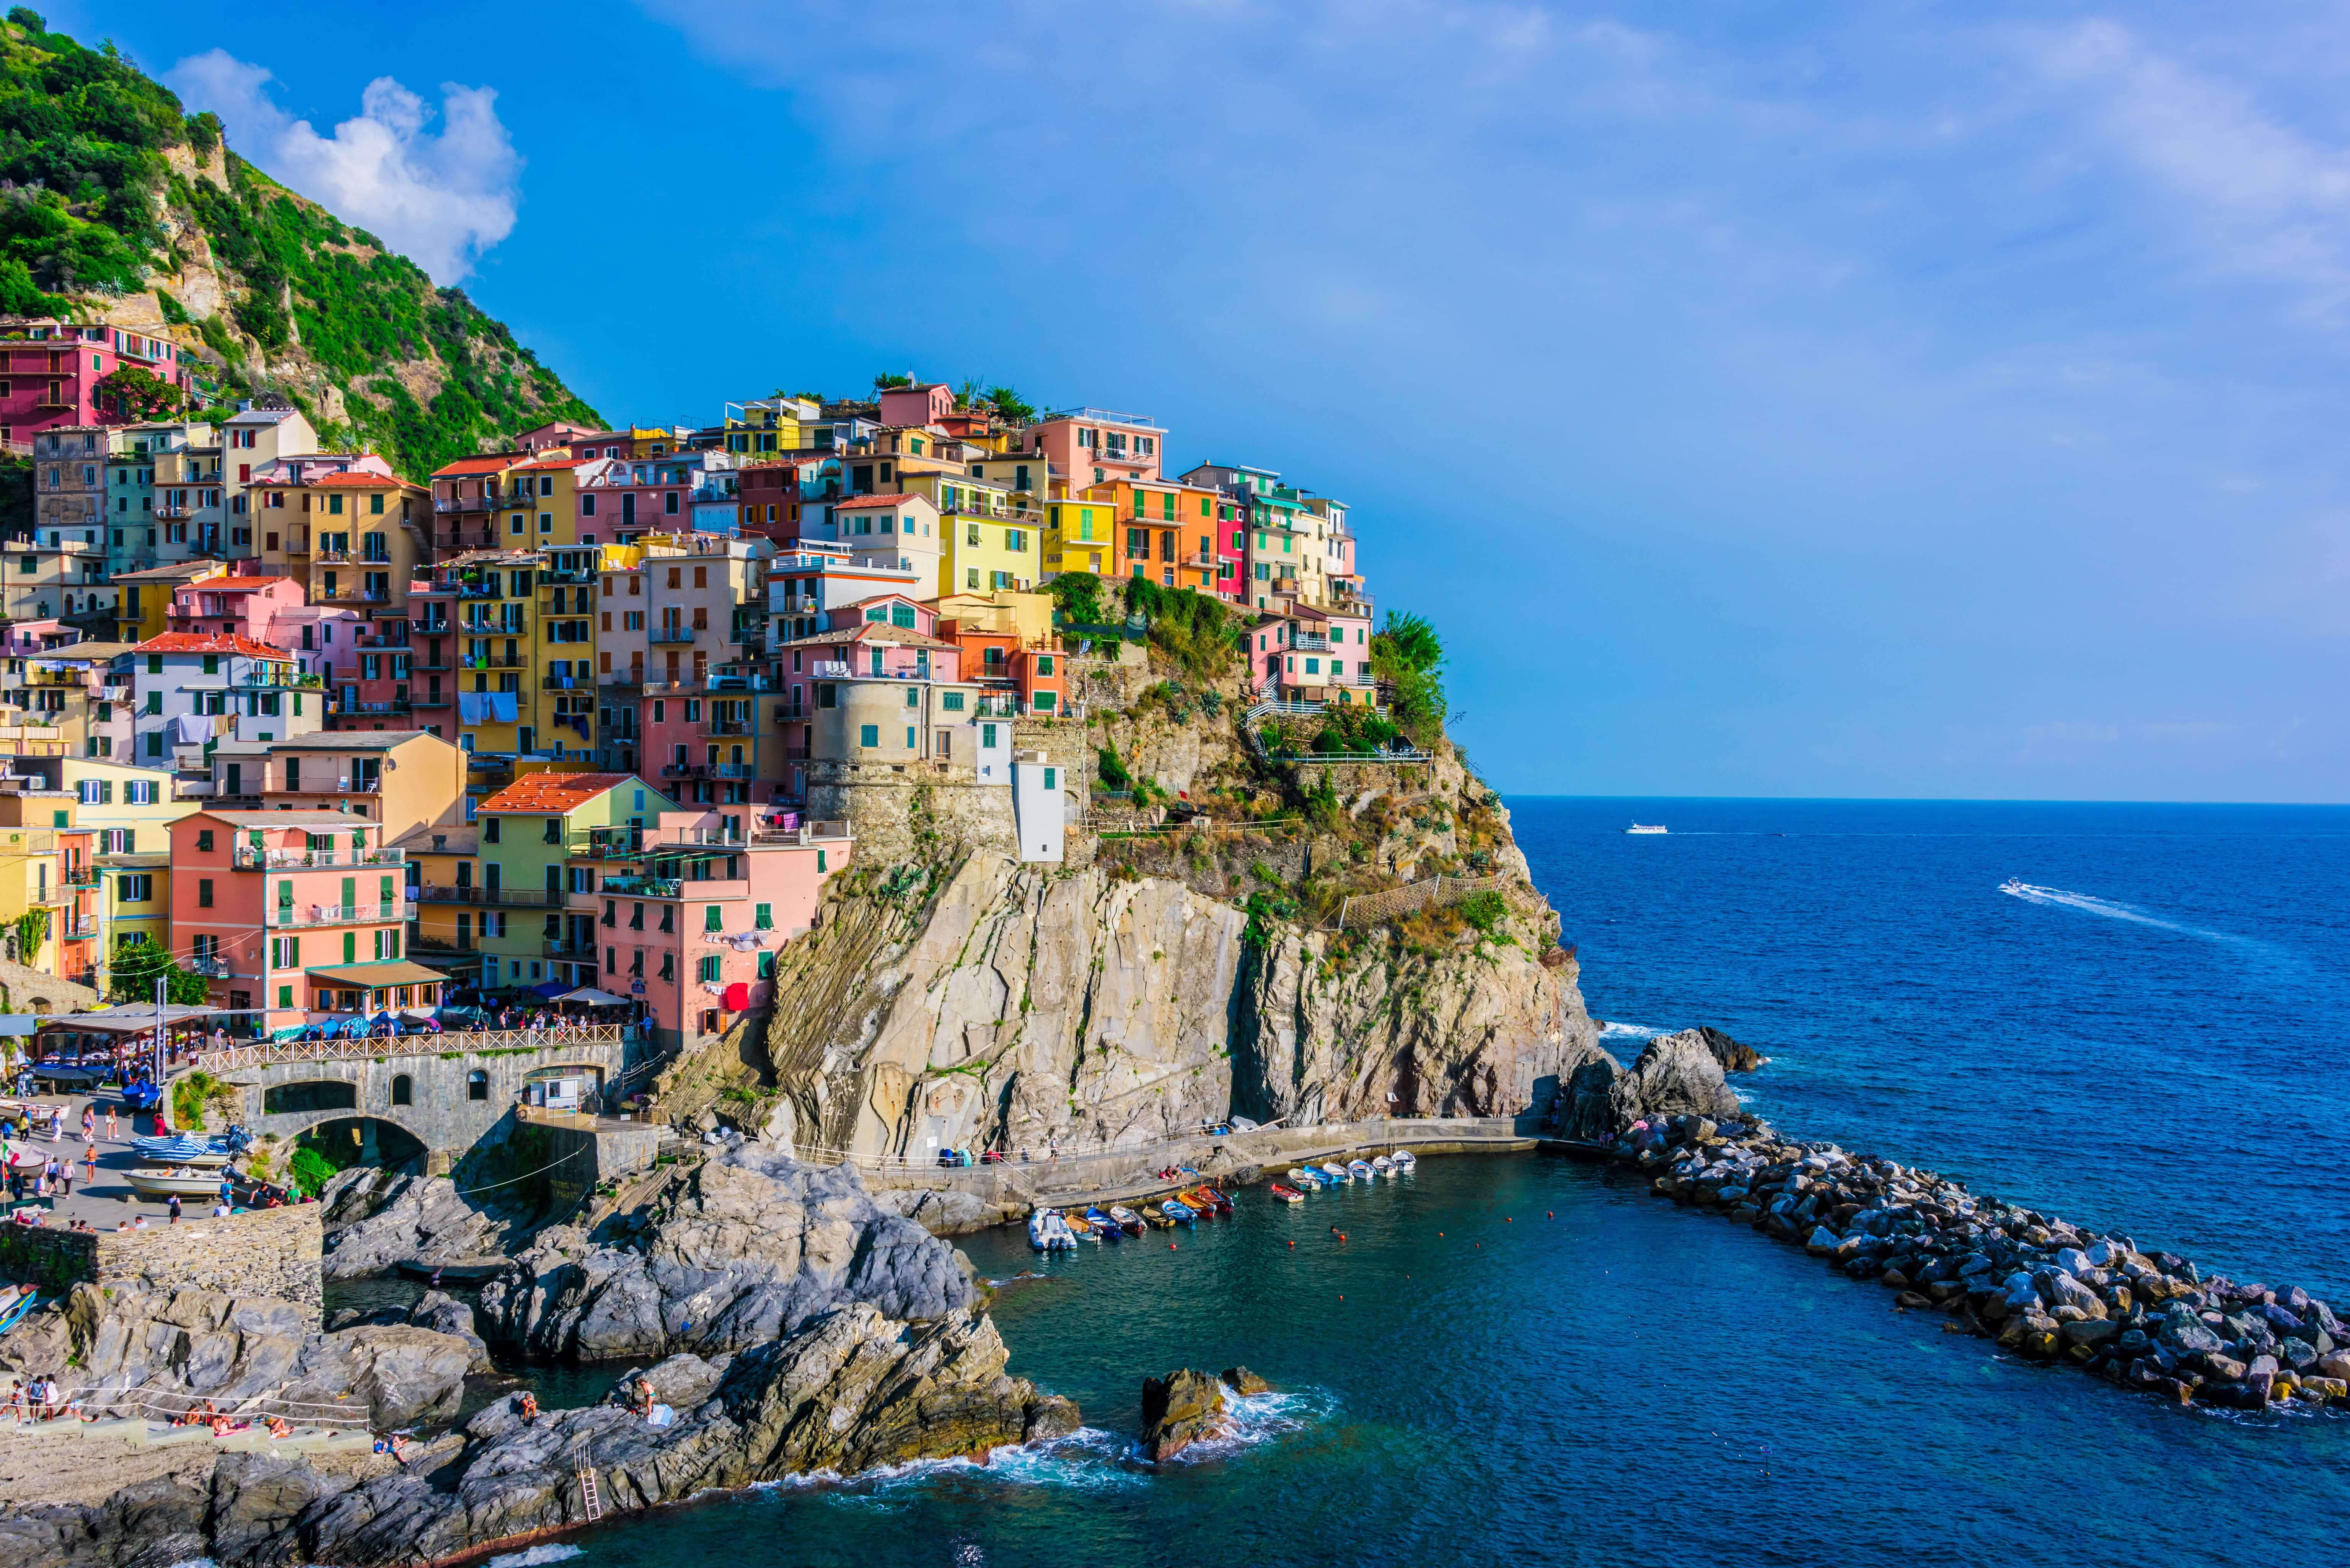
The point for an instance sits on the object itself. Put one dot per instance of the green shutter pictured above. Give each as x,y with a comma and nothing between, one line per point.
350,947
714,918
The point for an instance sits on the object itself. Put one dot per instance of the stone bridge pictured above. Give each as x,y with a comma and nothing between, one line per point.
446,1091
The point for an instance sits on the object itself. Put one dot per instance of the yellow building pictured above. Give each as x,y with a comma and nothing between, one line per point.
145,599
449,908
563,669
346,528
1026,476
541,508
44,864
134,906
1082,536
1028,617
770,425
986,540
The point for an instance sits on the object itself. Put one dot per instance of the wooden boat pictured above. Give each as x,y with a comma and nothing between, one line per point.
1382,1166
1157,1216
1178,1213
15,1300
1103,1226
1335,1171
1358,1170
1127,1218
1079,1229
1307,1177
1217,1200
1198,1202
1287,1194
183,1179
1405,1161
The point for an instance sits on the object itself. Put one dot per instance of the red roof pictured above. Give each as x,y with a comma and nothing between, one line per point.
211,642
552,791
209,584
369,481
899,498
497,462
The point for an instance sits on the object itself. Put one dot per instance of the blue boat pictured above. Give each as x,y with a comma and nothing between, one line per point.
140,1096
1179,1212
1108,1229
15,1300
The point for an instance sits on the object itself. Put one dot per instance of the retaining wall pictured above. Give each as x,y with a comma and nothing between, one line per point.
266,1252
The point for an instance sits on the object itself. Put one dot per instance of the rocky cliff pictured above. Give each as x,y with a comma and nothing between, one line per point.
1183,967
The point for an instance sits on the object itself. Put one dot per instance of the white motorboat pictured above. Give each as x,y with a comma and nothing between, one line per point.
1646,827
1335,1171
1382,1166
1405,1161
185,1180
2012,884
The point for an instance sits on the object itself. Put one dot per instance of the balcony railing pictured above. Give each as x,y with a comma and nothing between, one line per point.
290,678
248,859
829,668
685,770
498,898
214,968
672,634
460,539
581,954
464,504
343,914
516,660
397,705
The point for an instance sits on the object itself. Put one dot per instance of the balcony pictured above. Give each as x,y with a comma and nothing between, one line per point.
497,897
461,505
830,668
247,859
461,539
568,682
728,727
685,770
660,634
582,954
168,510
733,770
291,679
299,915
351,596
215,968
516,660
397,705
1309,642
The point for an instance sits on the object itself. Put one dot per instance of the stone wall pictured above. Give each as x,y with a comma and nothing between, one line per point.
441,1113
887,805
266,1252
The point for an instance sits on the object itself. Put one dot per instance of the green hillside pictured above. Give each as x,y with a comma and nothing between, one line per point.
109,191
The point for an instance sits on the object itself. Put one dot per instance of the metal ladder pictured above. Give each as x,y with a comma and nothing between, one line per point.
587,1474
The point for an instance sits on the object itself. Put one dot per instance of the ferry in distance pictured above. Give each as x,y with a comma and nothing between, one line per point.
1646,827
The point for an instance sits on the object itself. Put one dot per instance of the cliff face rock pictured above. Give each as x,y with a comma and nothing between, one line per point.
1676,1074
1179,1410
743,1249
376,1218
1023,1005
849,1391
192,1345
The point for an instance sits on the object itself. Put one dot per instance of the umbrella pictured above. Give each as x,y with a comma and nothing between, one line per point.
594,998
552,990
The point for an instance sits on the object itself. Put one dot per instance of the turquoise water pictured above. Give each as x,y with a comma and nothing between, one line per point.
1527,1359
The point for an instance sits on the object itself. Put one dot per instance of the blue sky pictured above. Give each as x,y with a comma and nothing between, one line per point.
1870,398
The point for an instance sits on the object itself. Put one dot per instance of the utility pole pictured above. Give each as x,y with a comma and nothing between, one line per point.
162,1110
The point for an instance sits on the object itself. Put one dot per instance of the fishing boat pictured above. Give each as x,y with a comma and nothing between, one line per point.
1382,1166
1190,1198
1048,1232
1287,1194
1646,827
1358,1170
185,1180
1306,1179
1104,1227
1157,1218
1079,1227
1405,1161
1223,1204
1335,1171
1126,1219
1178,1213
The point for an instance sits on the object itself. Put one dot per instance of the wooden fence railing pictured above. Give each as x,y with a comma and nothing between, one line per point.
1370,908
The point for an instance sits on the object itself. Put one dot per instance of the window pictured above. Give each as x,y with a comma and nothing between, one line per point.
952,701
868,735
477,1085
205,891
709,968
714,918
764,918
1050,773
205,838
489,830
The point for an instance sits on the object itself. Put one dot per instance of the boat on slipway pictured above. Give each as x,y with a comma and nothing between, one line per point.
185,1180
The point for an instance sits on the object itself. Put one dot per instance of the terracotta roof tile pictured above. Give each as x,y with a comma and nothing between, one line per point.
895,499
221,642
552,791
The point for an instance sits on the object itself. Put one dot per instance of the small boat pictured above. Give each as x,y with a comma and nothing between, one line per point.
184,1181
181,1151
1287,1194
1157,1218
1193,1198
1178,1213
1405,1161
1335,1171
1103,1226
1048,1232
1126,1219
15,1300
1222,1204
139,1097
1359,1169
2012,884
1080,1228
1307,1179
1382,1166
1646,827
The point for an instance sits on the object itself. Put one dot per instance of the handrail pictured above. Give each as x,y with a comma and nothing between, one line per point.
266,1054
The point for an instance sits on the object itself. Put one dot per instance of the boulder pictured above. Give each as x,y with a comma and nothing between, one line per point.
1177,1410
1240,1380
739,1251
1733,1056
376,1218
1586,1098
1676,1074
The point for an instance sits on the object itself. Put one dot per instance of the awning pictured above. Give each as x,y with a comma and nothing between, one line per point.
593,997
552,988
389,971
138,1018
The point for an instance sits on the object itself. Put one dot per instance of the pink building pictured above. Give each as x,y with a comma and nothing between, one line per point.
50,371
1095,446
924,405
690,913
294,913
245,607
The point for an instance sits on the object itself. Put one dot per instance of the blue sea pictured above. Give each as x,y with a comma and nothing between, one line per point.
1525,1359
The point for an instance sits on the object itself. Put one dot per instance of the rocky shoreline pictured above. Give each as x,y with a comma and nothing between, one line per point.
2037,1286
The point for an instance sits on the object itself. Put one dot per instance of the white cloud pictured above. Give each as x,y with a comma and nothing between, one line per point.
2265,199
440,200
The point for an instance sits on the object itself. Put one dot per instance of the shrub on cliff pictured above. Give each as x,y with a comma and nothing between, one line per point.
1408,655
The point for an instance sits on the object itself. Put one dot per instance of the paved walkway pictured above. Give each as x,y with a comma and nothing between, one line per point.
111,1200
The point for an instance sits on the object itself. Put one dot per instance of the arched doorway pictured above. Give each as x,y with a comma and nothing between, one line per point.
334,1145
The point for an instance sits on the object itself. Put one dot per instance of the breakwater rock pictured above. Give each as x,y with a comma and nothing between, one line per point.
849,1391
740,1249
2039,1287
